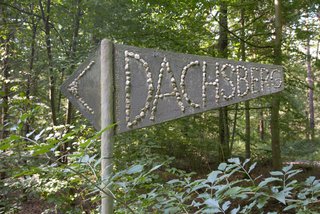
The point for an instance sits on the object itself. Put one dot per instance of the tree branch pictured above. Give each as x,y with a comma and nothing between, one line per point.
37,16
20,10
241,39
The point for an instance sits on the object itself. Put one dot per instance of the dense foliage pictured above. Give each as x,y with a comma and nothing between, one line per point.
50,155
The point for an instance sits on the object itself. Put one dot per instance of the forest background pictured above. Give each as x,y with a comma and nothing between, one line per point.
49,154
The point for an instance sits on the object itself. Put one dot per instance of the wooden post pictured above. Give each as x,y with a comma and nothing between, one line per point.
107,119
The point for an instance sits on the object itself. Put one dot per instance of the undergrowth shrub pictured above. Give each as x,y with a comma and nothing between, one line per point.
148,184
229,189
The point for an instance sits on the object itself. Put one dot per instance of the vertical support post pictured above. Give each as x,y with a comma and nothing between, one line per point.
107,119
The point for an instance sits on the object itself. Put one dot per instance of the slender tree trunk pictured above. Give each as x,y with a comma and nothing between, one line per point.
72,56
52,87
248,130
317,53
235,119
247,103
261,125
5,68
275,103
5,91
310,92
223,112
73,50
5,45
31,63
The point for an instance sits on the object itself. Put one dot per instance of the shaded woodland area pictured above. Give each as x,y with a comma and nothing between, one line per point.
49,154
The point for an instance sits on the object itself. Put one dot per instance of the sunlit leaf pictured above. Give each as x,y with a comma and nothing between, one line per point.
135,169
212,177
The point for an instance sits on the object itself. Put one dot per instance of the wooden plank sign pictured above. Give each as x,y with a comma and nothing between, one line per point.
153,86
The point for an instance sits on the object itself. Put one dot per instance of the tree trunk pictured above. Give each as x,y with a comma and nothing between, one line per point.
247,103
73,50
5,45
310,92
235,119
72,56
5,89
275,103
29,80
5,92
52,88
261,125
224,151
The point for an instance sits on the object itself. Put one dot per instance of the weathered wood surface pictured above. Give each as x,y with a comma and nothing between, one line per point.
153,86
82,88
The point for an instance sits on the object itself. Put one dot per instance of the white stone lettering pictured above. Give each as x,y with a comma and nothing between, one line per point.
278,80
143,111
73,88
183,85
254,70
165,66
227,79
244,79
264,78
205,83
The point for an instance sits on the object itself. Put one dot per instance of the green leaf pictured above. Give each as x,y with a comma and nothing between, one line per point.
211,210
174,181
268,180
199,186
31,171
235,210
280,196
14,137
233,191
310,180
97,163
135,169
246,161
222,166
84,159
262,201
95,137
204,195
293,173
42,149
276,173
212,177
212,203
292,206
292,183
155,168
226,205
287,168
24,117
252,167
38,136
234,160
5,146
170,210
196,204
30,133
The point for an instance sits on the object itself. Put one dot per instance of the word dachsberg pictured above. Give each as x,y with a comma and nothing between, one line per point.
220,81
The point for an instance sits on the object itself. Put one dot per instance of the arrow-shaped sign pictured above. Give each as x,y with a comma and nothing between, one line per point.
138,87
153,86
82,88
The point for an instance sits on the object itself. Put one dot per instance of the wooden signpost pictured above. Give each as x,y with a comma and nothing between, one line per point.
138,87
